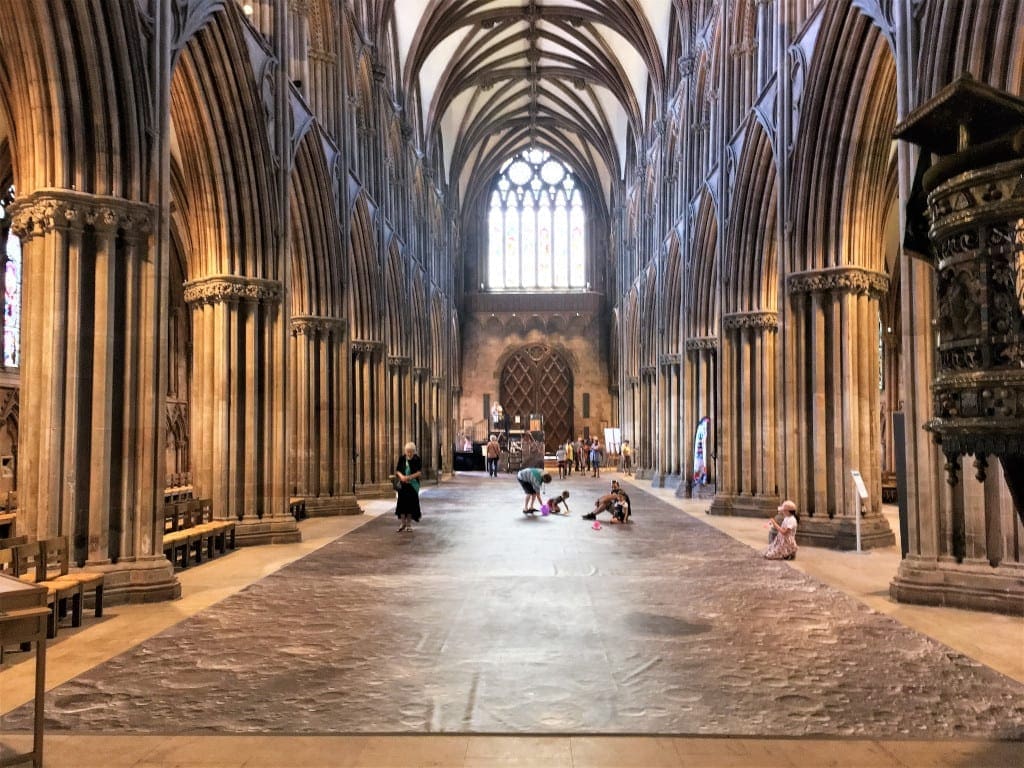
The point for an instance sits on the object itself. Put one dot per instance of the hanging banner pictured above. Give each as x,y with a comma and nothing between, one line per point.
700,451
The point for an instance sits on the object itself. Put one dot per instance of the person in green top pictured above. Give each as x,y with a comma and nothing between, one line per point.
532,480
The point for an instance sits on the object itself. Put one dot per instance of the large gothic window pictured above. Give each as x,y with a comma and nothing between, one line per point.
536,224
10,258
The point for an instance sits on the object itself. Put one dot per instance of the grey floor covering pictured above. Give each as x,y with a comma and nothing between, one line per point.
485,621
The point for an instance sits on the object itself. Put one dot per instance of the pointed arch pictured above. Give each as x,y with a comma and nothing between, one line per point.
362,289
223,150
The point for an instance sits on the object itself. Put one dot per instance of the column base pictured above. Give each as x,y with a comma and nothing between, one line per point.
147,579
742,506
332,506
841,532
374,491
973,585
280,529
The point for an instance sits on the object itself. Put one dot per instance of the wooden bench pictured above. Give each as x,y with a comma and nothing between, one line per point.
189,529
56,557
28,563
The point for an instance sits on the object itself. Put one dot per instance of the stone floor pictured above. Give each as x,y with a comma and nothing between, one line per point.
485,622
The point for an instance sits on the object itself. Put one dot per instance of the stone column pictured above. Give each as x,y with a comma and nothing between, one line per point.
965,221
836,314
420,404
701,398
372,457
91,436
747,481
669,448
319,465
238,397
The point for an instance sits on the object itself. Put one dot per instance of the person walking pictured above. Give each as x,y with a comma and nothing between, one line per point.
493,452
408,470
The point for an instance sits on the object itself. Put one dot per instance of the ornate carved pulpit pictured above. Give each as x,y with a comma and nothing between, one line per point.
974,209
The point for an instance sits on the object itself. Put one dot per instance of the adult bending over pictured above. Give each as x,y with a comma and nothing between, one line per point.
408,470
532,480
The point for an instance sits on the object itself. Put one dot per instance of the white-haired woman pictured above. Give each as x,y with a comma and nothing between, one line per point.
408,470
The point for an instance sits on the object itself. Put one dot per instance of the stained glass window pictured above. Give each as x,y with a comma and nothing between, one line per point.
536,225
12,285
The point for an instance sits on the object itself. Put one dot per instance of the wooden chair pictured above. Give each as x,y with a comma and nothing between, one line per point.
56,555
30,566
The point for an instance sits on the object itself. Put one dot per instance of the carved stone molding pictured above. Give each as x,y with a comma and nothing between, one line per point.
395,361
840,280
363,347
312,325
758,320
702,342
423,372
648,371
232,289
45,210
437,381
633,380
675,359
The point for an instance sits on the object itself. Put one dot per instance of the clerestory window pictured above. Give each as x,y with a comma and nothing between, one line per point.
536,226
10,259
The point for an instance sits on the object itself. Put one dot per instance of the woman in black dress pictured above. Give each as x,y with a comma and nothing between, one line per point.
408,470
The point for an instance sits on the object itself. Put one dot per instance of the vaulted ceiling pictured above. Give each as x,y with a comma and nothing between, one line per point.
497,76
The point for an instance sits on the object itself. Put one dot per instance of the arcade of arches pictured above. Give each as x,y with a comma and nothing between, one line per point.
255,237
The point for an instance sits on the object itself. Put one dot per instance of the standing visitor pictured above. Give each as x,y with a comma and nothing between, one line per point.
493,451
627,458
408,470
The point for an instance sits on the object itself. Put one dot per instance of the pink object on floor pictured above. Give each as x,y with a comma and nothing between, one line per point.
596,526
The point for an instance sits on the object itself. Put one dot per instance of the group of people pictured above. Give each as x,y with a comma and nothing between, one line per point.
582,456
409,469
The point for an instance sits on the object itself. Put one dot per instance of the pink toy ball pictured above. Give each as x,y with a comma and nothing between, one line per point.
545,509
596,526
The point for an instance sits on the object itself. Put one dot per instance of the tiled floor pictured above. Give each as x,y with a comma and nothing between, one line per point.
996,641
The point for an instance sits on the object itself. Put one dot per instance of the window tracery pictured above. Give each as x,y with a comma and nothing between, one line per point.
10,257
536,226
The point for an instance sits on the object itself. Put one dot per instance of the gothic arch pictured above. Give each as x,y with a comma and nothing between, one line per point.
77,97
362,288
224,154
317,285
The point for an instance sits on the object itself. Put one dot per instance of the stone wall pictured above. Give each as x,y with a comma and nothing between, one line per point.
490,338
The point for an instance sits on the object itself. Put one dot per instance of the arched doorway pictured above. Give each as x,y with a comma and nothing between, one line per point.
538,379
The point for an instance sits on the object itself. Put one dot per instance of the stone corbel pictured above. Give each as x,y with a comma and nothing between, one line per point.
312,325
758,320
702,342
840,280
232,289
362,347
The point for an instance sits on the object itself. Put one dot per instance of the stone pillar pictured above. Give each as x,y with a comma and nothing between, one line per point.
371,452
835,313
319,462
91,436
420,404
238,399
700,394
668,463
398,393
747,483
964,219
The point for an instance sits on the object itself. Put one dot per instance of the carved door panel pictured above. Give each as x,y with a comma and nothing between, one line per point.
537,379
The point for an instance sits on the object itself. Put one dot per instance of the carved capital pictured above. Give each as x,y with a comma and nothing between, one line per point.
312,325
232,289
675,359
363,347
47,210
397,362
759,320
840,280
702,342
